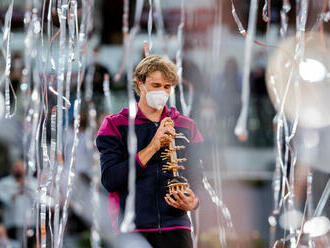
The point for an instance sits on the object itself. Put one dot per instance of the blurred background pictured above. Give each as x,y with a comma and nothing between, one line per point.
213,53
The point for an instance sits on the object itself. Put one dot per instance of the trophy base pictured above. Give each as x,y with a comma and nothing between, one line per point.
178,184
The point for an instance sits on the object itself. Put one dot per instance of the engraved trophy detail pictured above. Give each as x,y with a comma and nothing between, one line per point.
177,183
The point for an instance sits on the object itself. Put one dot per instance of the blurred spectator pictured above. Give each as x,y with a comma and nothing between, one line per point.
92,86
16,75
5,242
4,159
258,82
227,96
192,84
227,91
17,196
16,70
84,152
261,112
207,118
83,171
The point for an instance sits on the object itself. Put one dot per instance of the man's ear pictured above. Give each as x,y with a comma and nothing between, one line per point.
140,83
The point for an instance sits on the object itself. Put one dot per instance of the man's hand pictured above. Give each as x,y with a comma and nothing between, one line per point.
182,201
163,136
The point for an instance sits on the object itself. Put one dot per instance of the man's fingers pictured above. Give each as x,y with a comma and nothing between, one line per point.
181,201
163,122
168,138
170,131
168,202
183,197
171,202
177,198
165,139
190,192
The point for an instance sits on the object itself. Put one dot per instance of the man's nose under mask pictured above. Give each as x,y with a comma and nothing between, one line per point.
156,99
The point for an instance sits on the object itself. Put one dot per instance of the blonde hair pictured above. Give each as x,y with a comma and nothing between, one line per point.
151,64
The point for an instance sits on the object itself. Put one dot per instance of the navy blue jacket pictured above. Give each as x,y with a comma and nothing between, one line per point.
152,212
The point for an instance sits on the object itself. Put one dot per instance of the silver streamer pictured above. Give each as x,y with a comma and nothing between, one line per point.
160,26
286,7
265,12
150,25
71,173
72,33
217,193
146,48
216,42
7,54
225,214
284,140
62,13
92,130
39,75
128,221
85,28
323,200
129,216
89,83
107,94
186,108
240,129
125,31
237,20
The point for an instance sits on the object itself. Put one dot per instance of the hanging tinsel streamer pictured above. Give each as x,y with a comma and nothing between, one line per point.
159,22
241,129
129,215
125,30
286,7
107,94
7,54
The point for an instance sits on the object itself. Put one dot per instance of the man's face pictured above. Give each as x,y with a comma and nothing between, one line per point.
3,232
155,81
18,169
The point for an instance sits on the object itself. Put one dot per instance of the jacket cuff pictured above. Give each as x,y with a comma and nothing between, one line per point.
139,161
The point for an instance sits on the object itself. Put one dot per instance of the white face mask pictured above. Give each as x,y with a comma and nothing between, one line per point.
156,99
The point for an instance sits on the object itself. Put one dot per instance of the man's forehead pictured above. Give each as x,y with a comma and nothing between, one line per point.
157,77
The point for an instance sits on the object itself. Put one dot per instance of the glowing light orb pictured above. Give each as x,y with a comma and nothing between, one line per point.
291,219
312,70
311,99
317,226
272,221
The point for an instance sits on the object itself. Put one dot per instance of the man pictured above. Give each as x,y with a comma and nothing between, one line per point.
17,196
5,242
160,218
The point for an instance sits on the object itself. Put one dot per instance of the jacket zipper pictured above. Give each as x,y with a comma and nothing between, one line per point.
157,199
